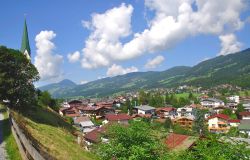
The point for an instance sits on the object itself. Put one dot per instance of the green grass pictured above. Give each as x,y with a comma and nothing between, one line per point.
243,93
10,143
53,134
185,95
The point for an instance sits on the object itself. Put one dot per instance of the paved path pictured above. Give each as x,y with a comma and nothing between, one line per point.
2,144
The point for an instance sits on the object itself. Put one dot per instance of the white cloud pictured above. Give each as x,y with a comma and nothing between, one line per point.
174,20
47,63
84,82
74,57
153,63
229,44
115,70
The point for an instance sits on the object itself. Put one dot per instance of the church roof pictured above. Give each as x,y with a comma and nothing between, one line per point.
25,39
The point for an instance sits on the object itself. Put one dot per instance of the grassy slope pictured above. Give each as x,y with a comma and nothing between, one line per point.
10,143
53,134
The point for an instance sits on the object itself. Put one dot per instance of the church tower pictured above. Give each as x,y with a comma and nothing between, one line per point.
25,47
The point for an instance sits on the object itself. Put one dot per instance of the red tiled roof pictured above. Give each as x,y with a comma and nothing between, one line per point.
94,135
142,115
244,113
234,121
174,140
117,117
222,116
165,109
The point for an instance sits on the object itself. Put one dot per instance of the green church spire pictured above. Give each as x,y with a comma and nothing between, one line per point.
25,48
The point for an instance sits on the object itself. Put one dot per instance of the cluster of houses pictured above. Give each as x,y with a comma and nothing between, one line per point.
86,115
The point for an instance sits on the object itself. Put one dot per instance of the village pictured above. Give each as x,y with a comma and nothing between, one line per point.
92,116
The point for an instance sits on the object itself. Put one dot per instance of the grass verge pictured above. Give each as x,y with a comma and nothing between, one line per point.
10,143
52,133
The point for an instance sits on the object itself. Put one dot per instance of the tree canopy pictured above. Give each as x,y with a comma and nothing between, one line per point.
17,75
134,142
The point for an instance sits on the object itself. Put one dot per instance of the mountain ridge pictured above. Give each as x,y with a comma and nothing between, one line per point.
232,68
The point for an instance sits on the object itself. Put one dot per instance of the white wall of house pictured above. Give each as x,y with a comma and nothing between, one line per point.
245,117
234,124
141,111
234,99
211,104
213,122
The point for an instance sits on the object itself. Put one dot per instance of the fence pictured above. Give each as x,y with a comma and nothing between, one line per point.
29,150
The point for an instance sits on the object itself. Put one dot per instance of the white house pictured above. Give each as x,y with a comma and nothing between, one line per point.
212,102
121,118
235,99
145,109
185,112
247,106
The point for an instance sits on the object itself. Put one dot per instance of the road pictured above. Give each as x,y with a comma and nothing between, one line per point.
2,144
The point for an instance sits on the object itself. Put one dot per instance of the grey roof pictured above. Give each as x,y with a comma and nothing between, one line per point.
86,124
245,121
145,107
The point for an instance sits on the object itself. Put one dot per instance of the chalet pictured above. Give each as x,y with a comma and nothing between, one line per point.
95,136
179,141
185,111
84,123
244,127
166,112
184,122
75,103
69,112
145,109
244,115
99,111
105,104
218,123
139,116
211,102
121,118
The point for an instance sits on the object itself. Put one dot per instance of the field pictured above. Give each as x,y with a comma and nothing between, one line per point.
10,144
185,95
53,133
245,93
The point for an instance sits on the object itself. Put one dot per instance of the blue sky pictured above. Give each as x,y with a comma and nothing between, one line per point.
173,40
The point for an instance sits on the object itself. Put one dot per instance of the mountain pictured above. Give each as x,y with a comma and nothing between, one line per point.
56,88
232,68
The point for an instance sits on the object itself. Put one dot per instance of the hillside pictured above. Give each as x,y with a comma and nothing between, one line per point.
232,68
51,133
59,87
